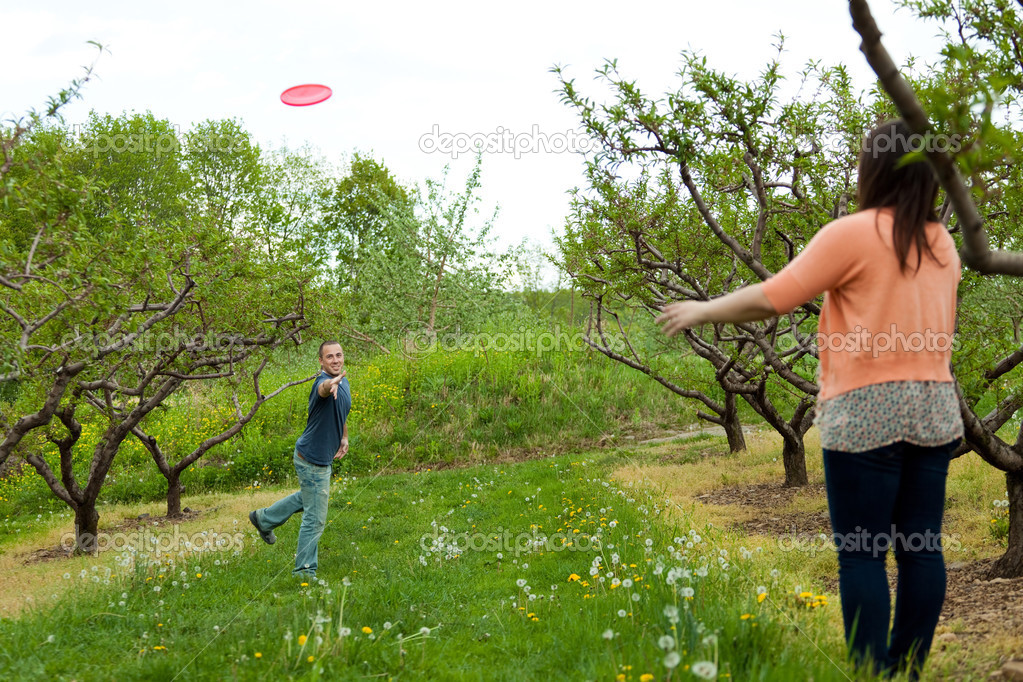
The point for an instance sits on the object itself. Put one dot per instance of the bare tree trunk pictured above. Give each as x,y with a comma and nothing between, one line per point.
86,528
174,490
173,473
793,456
1010,564
732,425
793,453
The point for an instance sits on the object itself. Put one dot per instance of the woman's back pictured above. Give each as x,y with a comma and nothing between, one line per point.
879,322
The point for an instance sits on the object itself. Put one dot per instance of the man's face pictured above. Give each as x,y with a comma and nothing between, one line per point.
332,359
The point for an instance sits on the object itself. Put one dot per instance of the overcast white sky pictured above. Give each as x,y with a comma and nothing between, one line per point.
400,69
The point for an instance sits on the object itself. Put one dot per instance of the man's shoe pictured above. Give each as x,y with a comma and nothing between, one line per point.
267,535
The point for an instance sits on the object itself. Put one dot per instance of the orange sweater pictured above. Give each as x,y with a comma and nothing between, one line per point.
877,324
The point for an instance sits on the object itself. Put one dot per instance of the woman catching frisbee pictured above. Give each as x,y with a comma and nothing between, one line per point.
887,410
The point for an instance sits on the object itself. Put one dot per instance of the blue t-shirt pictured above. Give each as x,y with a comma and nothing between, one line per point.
322,436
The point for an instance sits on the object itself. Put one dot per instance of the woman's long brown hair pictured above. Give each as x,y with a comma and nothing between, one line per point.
910,189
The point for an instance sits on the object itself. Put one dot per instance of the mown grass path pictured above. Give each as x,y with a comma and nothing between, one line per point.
511,571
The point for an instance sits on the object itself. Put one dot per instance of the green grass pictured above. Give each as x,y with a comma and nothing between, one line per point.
433,409
414,418
378,572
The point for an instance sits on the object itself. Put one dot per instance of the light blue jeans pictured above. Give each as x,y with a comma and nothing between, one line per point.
311,500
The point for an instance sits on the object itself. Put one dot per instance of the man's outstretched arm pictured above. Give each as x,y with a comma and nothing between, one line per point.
330,387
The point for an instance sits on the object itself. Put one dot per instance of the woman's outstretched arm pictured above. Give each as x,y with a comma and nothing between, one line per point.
748,304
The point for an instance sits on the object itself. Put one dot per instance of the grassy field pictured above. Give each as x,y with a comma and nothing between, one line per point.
409,412
623,563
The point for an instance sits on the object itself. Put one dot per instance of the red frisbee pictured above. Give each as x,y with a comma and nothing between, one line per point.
304,95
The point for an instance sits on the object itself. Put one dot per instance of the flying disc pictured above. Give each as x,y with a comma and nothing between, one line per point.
304,95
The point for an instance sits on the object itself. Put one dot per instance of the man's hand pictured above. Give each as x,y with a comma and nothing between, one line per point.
343,450
329,387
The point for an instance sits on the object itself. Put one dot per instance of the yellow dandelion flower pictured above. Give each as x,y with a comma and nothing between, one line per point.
301,640
367,630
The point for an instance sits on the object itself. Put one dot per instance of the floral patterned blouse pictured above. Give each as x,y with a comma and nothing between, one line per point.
924,413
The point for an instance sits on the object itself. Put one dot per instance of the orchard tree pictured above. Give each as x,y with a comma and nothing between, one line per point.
442,245
242,415
223,169
743,180
982,75
114,298
431,266
285,217
355,223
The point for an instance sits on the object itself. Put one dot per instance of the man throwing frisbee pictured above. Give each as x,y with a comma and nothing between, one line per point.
325,438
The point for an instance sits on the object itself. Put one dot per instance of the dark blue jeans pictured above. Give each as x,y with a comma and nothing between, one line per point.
891,497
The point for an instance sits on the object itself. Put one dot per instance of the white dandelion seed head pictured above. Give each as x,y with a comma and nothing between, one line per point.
705,670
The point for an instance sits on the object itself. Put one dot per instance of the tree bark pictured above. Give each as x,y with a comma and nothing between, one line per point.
793,455
174,490
732,425
1010,564
976,252
86,528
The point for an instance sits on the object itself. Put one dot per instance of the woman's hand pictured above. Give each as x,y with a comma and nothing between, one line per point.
743,305
682,315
